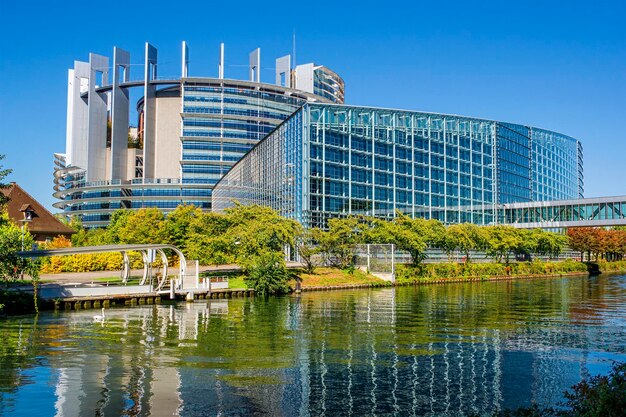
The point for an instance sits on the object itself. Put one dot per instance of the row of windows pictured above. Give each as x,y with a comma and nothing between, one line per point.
228,124
388,164
223,134
421,141
204,169
384,201
238,112
453,176
335,188
398,120
211,157
281,98
137,192
216,146
169,204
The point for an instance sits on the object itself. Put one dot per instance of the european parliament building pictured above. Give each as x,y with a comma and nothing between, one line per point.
188,132
294,146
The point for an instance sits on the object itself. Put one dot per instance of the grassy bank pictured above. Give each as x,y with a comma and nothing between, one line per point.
324,277
328,277
615,266
449,270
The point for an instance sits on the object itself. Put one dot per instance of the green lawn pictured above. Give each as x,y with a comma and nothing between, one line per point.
329,277
237,282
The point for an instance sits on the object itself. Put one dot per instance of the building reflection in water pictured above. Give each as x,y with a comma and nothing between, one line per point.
391,351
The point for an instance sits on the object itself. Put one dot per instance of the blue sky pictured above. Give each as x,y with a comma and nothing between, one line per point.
560,66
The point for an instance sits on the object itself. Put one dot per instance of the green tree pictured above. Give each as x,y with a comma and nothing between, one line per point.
407,234
502,240
12,266
267,273
178,222
307,250
142,226
465,237
338,244
119,218
209,240
91,237
260,236
599,396
549,243
256,228
3,174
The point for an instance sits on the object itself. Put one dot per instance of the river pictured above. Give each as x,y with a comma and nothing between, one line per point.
438,350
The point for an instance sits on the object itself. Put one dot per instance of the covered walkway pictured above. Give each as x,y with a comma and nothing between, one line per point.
584,212
147,251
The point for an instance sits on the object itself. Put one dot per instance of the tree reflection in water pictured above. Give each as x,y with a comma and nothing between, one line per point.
431,350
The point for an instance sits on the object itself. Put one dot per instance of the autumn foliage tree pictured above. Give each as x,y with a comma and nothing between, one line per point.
608,244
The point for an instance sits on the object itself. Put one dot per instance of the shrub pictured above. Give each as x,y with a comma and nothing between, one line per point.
267,274
410,273
612,266
600,396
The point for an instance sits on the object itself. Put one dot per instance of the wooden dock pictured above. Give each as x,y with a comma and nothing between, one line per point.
87,302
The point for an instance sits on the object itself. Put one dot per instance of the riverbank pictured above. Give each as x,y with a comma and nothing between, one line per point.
449,273
324,278
355,344
307,286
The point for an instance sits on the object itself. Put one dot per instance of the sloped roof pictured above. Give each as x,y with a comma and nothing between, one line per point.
43,221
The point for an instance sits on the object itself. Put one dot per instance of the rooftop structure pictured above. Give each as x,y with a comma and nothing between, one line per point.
188,133
25,211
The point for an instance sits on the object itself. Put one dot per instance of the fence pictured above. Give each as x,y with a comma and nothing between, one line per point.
378,260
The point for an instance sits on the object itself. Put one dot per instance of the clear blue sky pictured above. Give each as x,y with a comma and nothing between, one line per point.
561,66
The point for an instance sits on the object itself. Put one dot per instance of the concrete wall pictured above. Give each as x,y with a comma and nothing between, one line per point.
61,291
168,131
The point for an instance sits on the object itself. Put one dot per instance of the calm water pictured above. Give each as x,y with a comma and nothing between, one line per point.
432,350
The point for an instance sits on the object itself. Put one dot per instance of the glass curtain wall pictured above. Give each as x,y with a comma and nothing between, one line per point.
351,160
514,163
221,123
557,166
332,160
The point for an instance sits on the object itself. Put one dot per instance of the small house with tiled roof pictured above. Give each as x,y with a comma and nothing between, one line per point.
23,208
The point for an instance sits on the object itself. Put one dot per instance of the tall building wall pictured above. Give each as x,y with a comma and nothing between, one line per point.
333,159
513,156
351,160
557,166
190,131
167,149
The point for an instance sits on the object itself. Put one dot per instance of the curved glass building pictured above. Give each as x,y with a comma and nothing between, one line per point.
304,152
189,130
331,160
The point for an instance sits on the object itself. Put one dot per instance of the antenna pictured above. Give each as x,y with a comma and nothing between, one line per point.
220,65
294,49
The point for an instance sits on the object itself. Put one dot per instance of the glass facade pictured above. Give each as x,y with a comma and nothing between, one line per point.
514,163
304,152
328,84
331,160
557,166
599,211
220,121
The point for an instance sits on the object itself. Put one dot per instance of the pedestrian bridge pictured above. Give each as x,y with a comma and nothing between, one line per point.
584,212
148,253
